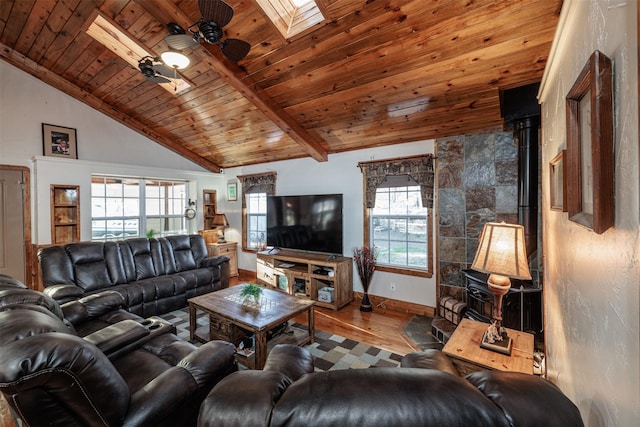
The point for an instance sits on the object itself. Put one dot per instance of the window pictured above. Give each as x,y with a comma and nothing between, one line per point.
254,191
131,207
256,220
398,225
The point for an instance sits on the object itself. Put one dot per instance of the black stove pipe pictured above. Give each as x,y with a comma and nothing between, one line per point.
521,113
526,134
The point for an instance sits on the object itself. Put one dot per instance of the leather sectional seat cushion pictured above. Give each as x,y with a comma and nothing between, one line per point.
153,276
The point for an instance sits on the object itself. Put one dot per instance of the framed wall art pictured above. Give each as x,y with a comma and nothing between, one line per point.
59,141
232,191
589,157
557,181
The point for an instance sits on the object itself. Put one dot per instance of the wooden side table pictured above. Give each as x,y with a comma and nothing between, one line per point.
229,249
464,349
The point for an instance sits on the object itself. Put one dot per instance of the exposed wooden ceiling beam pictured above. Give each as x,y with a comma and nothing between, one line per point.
166,12
41,73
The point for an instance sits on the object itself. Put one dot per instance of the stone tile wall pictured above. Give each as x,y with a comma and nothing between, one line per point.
477,182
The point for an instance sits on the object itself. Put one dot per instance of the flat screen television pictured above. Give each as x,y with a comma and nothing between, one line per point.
309,223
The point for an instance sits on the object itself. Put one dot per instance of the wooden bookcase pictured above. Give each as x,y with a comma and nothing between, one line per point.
308,275
209,208
65,213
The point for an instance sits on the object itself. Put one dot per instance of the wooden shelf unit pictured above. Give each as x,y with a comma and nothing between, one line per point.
209,208
304,274
65,213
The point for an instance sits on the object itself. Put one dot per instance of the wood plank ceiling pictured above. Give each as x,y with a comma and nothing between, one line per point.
373,73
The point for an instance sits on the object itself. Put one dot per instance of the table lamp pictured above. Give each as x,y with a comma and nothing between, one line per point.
220,221
502,254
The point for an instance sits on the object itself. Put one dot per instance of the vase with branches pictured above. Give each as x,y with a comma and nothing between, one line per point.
365,259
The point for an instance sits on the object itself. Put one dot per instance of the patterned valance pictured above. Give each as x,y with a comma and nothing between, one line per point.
419,168
257,183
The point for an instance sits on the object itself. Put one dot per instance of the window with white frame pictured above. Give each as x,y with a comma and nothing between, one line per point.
256,218
399,225
123,207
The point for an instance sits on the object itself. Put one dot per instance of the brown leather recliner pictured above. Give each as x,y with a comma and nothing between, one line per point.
89,363
426,391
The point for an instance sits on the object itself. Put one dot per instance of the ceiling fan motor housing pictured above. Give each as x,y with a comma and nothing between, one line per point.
211,32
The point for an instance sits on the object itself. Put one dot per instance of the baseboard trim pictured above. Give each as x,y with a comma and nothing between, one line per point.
397,305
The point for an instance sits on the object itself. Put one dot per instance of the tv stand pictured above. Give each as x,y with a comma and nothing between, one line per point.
326,280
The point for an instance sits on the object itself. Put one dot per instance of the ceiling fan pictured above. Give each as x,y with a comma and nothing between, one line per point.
155,71
215,15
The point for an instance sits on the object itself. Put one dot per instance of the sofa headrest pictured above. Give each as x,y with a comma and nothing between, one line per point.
10,282
24,321
11,297
539,400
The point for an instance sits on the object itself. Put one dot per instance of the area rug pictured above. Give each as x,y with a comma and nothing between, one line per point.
330,351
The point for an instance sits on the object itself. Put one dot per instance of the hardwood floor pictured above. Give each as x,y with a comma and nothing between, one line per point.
382,328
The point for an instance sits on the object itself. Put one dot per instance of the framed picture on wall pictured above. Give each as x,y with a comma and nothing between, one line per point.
232,191
59,141
557,181
590,169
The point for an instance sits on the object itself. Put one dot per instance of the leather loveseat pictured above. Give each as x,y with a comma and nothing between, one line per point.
423,392
154,276
90,363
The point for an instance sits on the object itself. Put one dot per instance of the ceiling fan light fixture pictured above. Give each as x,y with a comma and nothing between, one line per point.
175,59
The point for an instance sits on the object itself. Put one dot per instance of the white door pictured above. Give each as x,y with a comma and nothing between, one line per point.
12,243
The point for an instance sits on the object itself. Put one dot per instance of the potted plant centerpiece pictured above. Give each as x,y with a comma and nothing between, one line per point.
365,259
250,291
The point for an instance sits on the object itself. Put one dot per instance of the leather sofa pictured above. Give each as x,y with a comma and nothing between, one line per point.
423,392
90,363
154,276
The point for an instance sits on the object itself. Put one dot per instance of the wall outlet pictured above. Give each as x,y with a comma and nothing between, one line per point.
393,286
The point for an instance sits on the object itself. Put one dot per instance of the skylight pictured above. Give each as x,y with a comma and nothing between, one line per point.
292,17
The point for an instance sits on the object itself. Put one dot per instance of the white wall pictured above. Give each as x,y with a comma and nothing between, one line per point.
339,174
591,281
104,146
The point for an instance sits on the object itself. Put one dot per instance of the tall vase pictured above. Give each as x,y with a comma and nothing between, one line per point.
365,305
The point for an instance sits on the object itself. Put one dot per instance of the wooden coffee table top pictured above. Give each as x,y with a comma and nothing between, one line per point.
464,345
276,307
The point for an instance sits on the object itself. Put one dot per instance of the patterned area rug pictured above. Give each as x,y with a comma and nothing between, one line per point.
330,351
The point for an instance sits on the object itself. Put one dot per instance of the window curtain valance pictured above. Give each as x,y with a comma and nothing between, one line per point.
257,183
419,168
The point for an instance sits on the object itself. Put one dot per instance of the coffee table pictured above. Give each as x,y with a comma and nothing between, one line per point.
464,350
230,319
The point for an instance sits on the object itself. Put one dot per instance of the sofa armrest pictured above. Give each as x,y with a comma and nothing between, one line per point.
244,398
118,336
214,261
429,359
64,293
189,383
92,306
290,360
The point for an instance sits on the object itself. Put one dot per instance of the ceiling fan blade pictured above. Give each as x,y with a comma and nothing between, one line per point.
157,79
180,41
164,70
235,49
216,11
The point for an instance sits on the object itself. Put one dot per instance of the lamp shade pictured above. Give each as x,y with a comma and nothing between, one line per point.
175,59
502,251
220,220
